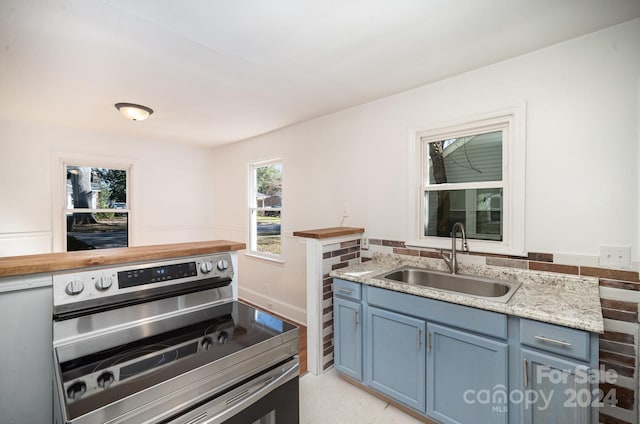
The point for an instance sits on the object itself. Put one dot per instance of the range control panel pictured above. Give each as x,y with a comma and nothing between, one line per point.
105,282
140,277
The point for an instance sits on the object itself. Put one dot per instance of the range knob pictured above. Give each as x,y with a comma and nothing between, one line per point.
206,343
74,287
223,337
105,379
223,264
76,390
103,283
206,267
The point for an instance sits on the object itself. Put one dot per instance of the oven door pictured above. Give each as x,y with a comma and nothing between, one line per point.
270,398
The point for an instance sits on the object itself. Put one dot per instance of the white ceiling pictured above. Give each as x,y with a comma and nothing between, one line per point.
218,71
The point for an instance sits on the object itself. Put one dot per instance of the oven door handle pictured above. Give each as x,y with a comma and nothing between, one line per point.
246,397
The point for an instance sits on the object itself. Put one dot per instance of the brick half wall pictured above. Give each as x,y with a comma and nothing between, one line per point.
334,256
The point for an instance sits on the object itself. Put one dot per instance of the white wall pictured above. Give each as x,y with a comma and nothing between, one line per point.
582,157
172,197
583,183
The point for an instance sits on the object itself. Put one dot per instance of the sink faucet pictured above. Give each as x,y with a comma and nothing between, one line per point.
450,259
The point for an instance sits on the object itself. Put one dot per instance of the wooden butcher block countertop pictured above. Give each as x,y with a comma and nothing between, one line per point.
323,233
49,262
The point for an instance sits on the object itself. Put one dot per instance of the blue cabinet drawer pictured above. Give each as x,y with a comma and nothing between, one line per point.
554,338
347,289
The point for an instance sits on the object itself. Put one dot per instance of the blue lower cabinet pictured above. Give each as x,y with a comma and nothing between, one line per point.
558,390
460,365
347,321
395,357
467,377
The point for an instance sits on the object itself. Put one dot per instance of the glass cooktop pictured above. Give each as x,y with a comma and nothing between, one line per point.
95,380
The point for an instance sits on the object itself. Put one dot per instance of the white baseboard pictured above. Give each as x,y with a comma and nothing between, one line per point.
286,310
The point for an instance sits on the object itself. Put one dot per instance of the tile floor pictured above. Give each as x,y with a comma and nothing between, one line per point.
327,399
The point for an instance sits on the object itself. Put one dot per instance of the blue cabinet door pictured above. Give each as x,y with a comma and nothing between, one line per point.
559,390
467,377
395,357
347,331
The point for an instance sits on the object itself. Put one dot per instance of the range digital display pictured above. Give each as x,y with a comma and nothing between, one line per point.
139,277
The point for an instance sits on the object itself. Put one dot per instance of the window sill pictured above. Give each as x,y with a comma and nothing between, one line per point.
268,258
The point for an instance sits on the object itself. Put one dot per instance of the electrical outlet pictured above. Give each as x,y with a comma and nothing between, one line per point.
365,243
615,256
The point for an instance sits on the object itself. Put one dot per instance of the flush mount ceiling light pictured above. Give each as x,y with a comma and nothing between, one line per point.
133,111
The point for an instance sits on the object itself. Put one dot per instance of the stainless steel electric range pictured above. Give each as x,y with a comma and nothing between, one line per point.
167,342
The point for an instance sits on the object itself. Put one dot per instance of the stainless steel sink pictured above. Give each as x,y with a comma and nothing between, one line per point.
470,285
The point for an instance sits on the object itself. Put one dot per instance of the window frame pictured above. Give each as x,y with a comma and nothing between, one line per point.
60,203
252,238
510,120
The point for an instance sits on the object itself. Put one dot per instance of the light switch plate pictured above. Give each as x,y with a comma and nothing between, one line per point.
345,210
615,256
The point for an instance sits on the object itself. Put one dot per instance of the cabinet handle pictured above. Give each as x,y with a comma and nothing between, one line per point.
525,372
554,341
419,334
428,341
356,318
347,291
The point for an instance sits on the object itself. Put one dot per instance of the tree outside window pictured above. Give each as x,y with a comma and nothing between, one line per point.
97,210
464,183
265,209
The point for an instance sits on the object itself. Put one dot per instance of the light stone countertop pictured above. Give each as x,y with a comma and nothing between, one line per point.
567,300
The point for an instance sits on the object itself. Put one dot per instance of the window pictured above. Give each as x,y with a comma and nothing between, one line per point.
471,172
96,208
265,209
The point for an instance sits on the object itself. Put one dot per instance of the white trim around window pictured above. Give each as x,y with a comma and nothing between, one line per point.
59,172
512,122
